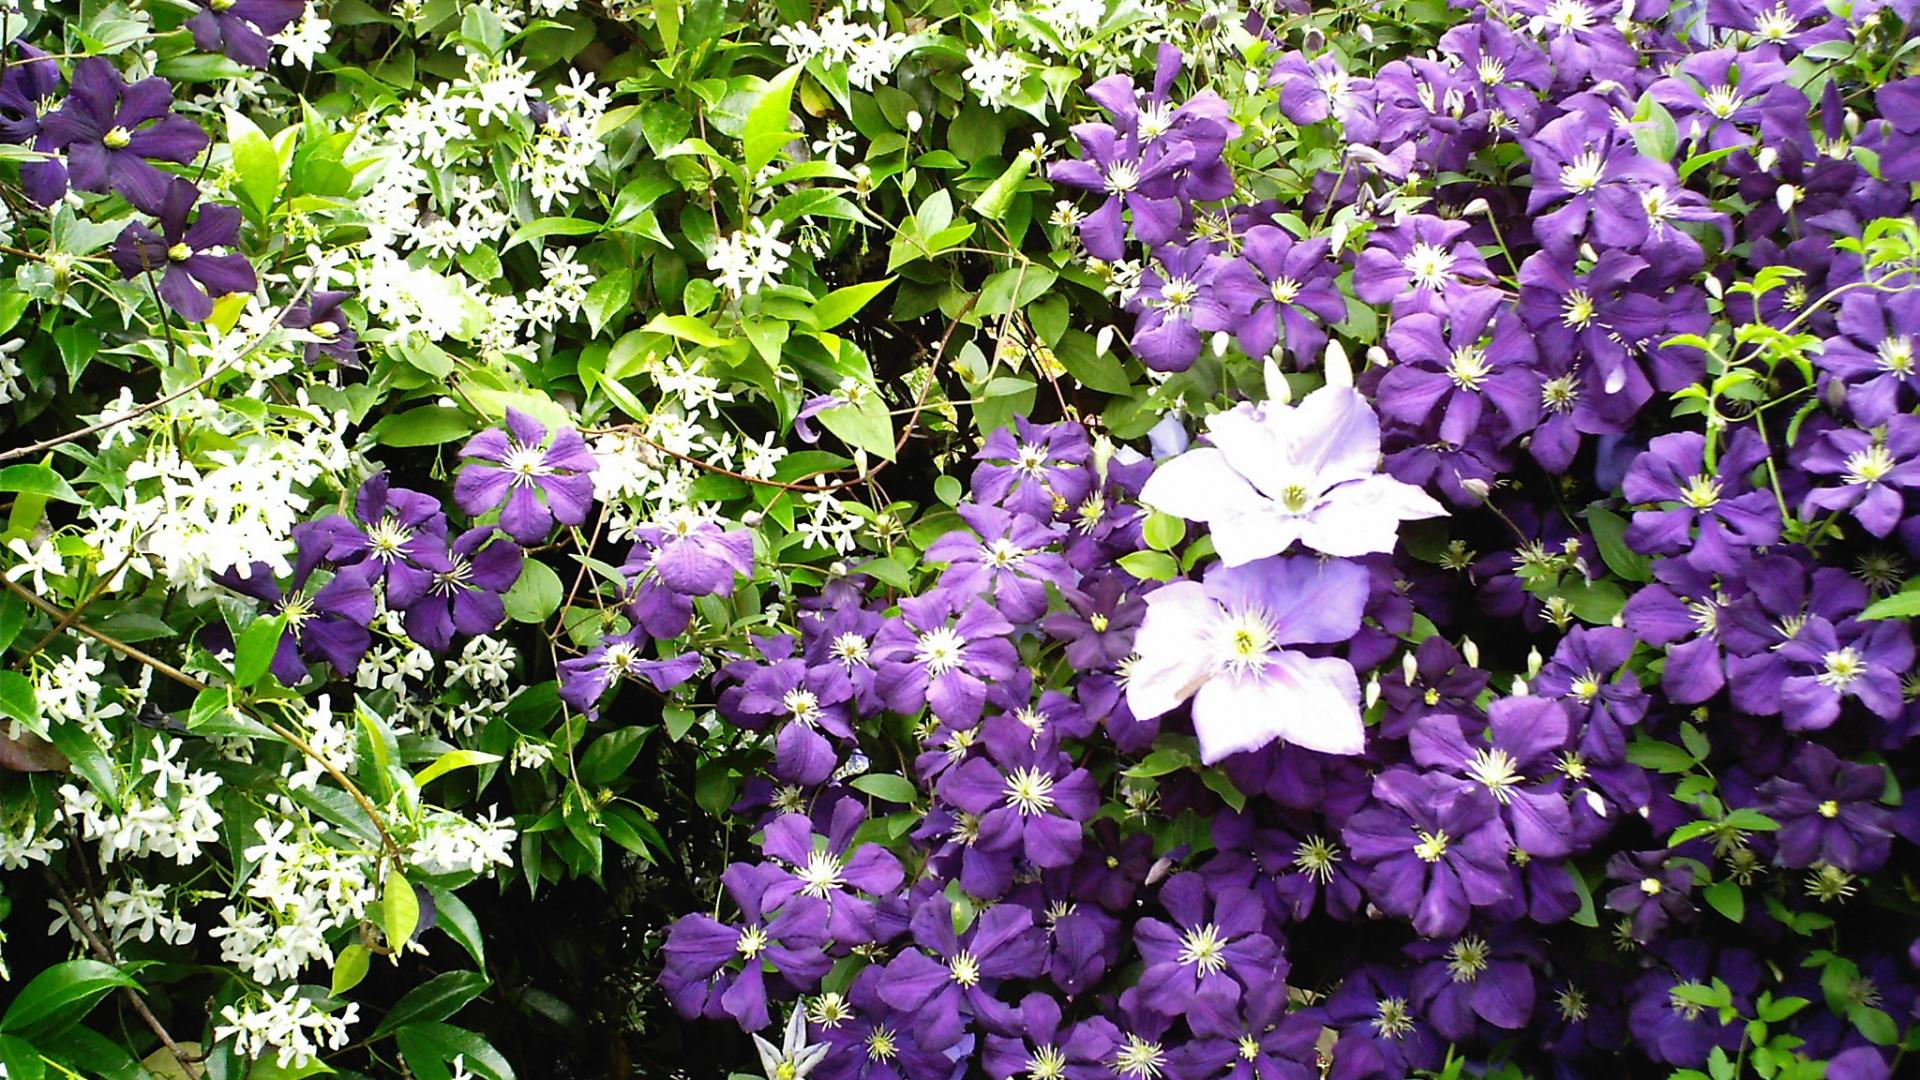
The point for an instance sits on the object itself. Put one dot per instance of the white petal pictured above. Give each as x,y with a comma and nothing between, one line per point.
1198,485
1172,645
1309,702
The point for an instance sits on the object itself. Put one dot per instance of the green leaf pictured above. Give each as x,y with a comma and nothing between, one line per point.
946,489
998,196
61,995
1654,132
1586,915
454,918
256,164
452,760
17,699
436,999
429,1050
767,131
1150,566
399,909
687,328
1726,898
37,480
350,967
610,755
1221,784
540,228
842,304
253,654
894,789
1876,1025
1609,531
535,595
87,759
864,425
1163,531
1901,605
1159,763
608,297
429,425
20,1059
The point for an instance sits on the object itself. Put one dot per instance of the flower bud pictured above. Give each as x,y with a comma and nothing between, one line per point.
914,120
1339,370
1221,339
1520,688
1373,692
1409,667
1470,651
1534,661
1476,487
1785,196
1103,342
1277,389
1766,158
1713,287
1365,32
1377,357
1475,208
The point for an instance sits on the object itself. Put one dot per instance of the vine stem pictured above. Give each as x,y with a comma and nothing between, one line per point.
101,949
287,734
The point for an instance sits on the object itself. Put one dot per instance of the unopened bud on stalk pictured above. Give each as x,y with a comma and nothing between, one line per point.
1373,692
1534,661
1476,487
1277,389
1221,339
1339,370
1103,341
1520,688
1409,667
1470,650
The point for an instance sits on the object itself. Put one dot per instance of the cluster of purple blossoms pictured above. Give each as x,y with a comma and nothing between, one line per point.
1253,801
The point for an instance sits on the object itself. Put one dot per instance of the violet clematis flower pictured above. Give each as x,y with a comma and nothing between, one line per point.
1100,625
1455,367
1220,642
1875,354
240,28
1029,798
1313,90
400,535
671,564
328,624
832,868
1178,298
1045,1046
1524,735
719,968
29,89
324,318
1655,891
1712,94
1854,659
1034,469
584,680
512,469
1282,284
1682,611
464,598
1380,1033
1471,979
1668,1029
1730,516
871,1040
1875,471
927,657
1251,1037
111,133
1829,812
1587,177
1435,849
1411,264
1137,178
1587,674
1007,563
1279,474
1213,947
950,978
187,255
811,703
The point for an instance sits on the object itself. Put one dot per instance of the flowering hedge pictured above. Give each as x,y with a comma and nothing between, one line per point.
1073,540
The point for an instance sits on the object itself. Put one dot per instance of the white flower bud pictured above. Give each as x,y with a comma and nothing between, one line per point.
1785,196
1221,339
1596,804
1365,32
1766,158
1377,357
1338,368
1373,692
1470,651
1103,341
1587,253
1713,287
1409,667
1475,208
1476,487
1534,661
1520,688
914,120
1277,389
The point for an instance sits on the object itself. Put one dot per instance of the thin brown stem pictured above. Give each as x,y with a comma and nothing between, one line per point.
188,1063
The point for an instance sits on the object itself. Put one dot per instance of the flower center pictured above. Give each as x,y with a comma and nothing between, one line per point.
1577,309
1099,623
940,650
1573,766
1205,948
1155,120
1492,72
1829,809
180,252
1140,1059
1316,857
821,875
1843,667
1249,1048
1869,466
621,656
1005,553
1467,958
1391,1018
325,329
117,138
1584,172
1570,16
1651,886
1123,176
1468,367
1246,641
1047,1062
388,538
1706,615
965,831
1775,25
751,941
1432,845
1284,289
1702,492
1429,265
1560,394
1178,294
1587,686
455,579
1031,460
1495,769
1722,101
526,463
965,968
297,610
880,1045
1030,791
802,705
1895,356
1572,1004
850,649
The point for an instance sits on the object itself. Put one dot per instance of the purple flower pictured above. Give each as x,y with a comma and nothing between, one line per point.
240,28
1136,176
512,469
28,91
928,657
671,564
112,131
1313,90
1029,798
1864,661
1875,469
949,978
1828,812
1035,469
584,680
1470,979
1100,625
832,868
1587,673
1007,562
187,254
1731,518
871,1040
1282,284
1523,736
325,318
1656,890
464,598
1212,948
1220,642
401,537
1434,849
1277,474
1044,1046
1587,177
328,624
1875,354
1477,356
1411,264
810,703
1667,1027
1682,611
719,968
1380,1033
1251,1037
1177,299
1711,93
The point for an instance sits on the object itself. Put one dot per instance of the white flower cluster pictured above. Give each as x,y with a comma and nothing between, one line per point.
449,843
174,819
869,52
750,259
290,1026
303,887
564,149
138,912
303,42
993,74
